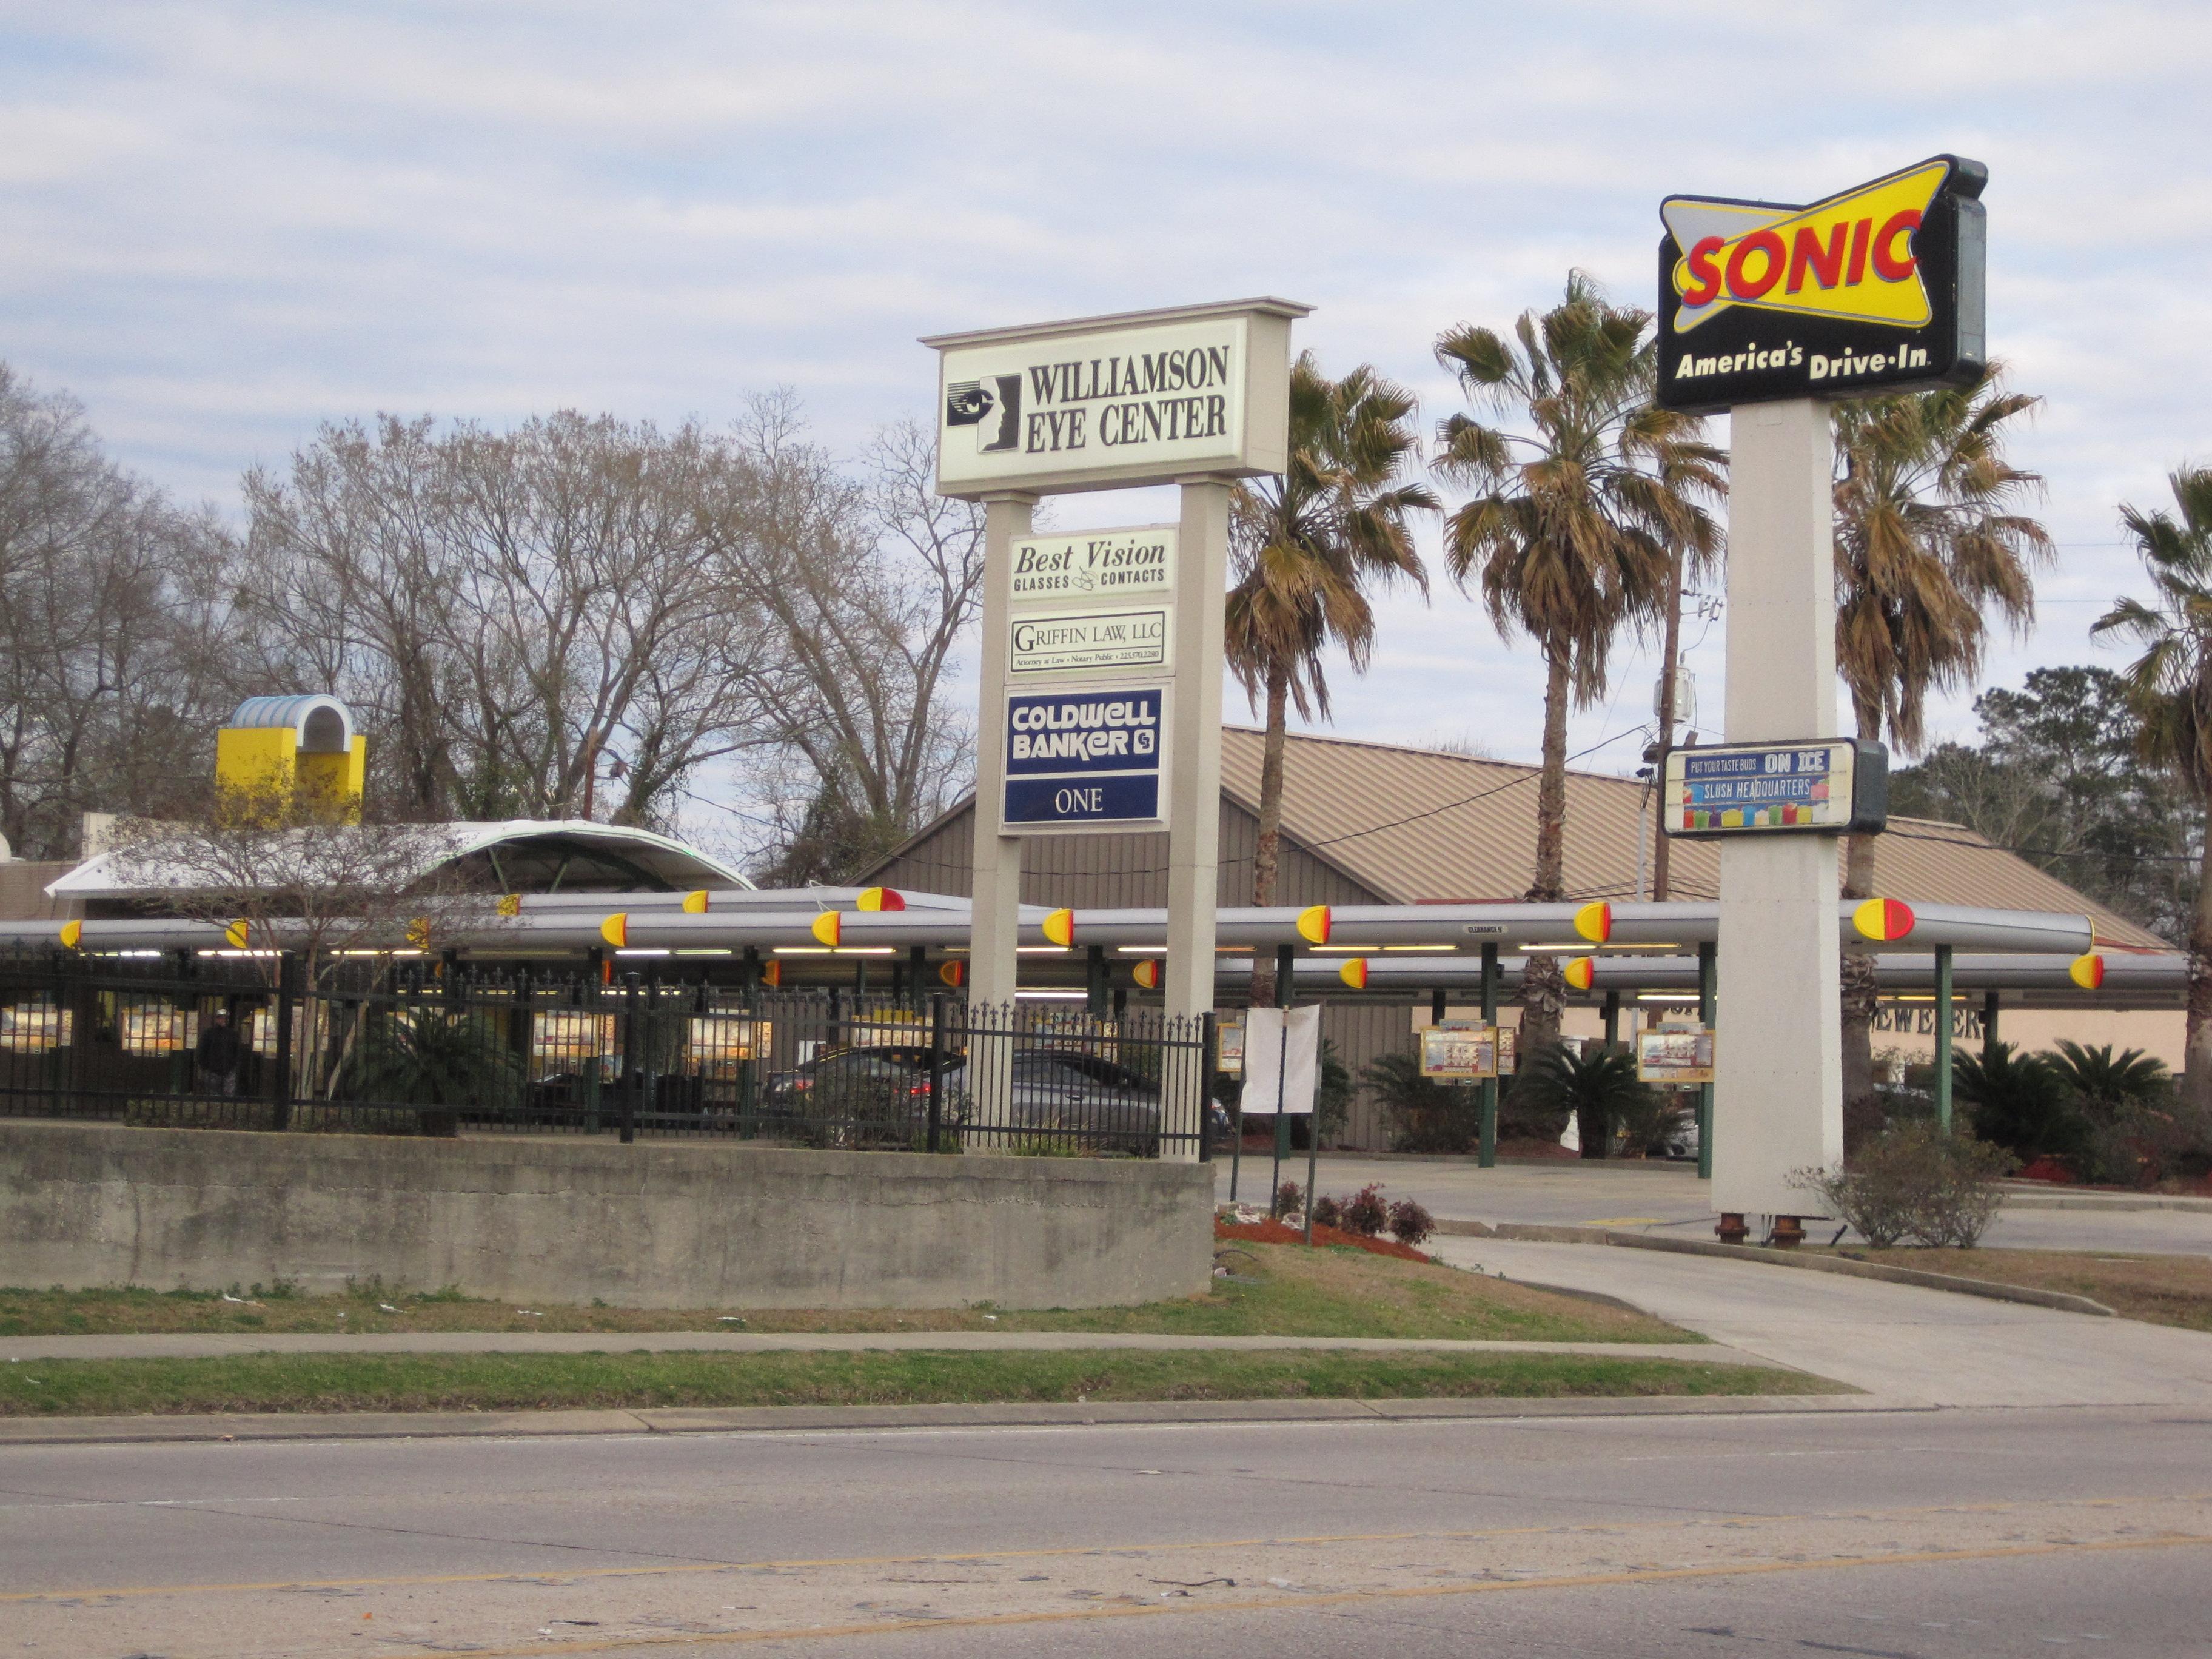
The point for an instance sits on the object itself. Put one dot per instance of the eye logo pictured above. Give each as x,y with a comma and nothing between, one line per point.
992,405
1851,257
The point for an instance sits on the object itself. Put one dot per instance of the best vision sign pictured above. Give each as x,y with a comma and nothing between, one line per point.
1096,601
1113,402
1878,288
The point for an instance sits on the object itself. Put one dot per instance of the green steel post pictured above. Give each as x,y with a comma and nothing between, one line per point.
1989,1024
1097,989
1486,1146
1707,960
1943,1039
1613,1019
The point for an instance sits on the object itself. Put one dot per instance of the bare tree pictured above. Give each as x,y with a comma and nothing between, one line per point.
867,584
115,643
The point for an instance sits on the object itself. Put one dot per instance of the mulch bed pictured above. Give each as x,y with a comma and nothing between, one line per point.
1277,1232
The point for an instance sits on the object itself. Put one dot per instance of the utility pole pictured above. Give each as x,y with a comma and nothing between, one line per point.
1669,662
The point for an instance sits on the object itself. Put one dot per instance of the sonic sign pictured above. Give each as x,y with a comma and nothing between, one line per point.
1873,290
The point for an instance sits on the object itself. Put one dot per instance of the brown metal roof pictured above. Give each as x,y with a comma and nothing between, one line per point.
1417,824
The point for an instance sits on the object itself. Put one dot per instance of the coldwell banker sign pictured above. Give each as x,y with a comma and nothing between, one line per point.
1872,290
1076,759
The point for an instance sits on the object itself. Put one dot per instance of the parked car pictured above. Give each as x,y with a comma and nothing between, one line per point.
864,1097
1094,1103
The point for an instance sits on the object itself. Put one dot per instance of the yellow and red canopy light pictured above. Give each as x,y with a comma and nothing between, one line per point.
1353,973
1059,927
1595,922
1582,972
954,974
830,928
1314,924
881,898
1146,973
616,929
1883,920
694,901
2086,971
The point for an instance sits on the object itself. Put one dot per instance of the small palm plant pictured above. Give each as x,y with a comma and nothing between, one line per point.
432,1058
1599,1085
2109,1086
2019,1102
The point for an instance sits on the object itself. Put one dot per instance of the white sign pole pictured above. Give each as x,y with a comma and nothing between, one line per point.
1194,772
1778,1093
995,928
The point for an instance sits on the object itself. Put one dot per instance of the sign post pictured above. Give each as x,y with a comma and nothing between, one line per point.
1101,670
1765,310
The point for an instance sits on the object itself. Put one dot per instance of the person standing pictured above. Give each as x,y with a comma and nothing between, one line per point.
217,1056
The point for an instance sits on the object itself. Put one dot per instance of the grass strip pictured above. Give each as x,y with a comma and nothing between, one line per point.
1277,1290
2159,1289
419,1382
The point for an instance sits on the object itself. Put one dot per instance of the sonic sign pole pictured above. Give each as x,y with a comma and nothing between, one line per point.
1767,311
1101,670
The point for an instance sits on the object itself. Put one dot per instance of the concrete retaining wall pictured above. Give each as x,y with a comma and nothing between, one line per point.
543,1220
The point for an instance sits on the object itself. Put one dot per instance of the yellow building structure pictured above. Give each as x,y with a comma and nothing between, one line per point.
297,752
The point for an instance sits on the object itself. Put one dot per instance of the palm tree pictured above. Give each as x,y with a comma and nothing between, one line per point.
2170,689
1598,1085
1928,544
1305,546
1572,526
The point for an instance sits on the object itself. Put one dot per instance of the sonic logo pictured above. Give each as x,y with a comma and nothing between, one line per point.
1873,290
1850,256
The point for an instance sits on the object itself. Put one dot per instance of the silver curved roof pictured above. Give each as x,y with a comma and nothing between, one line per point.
294,713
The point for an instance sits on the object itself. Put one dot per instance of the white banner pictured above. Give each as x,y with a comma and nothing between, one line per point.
1282,1060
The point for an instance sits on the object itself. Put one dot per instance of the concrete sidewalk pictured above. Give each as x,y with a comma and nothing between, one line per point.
212,1344
1903,1346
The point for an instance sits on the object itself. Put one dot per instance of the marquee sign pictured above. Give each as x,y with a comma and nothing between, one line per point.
1116,402
1876,289
1838,786
1085,760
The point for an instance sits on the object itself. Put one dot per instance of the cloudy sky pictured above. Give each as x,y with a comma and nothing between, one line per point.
226,223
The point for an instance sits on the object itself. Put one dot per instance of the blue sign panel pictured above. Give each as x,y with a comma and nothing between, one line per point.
1085,757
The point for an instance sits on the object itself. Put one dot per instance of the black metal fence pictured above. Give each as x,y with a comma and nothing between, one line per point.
241,1043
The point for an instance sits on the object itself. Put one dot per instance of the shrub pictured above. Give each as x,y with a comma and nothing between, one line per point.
1424,1116
1600,1085
1912,1182
1328,1212
2021,1103
1289,1200
2108,1087
1364,1212
1410,1223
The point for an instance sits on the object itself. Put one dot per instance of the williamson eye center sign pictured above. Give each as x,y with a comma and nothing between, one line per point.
1877,287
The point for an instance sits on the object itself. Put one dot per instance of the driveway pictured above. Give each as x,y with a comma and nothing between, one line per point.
1904,1346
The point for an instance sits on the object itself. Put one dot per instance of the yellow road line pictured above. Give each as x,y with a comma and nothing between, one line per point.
1567,1529
1342,1598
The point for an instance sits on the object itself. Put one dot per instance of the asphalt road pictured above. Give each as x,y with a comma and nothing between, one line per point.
1938,1534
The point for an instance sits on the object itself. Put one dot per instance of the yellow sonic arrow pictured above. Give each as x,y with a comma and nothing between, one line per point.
1313,924
1059,927
830,928
1354,972
1595,922
616,929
